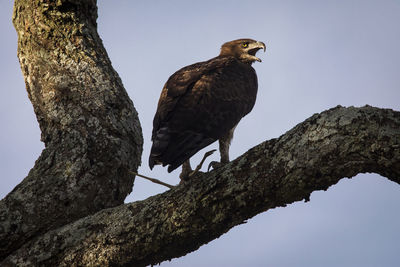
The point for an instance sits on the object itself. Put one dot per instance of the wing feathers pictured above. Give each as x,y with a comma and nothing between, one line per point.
198,105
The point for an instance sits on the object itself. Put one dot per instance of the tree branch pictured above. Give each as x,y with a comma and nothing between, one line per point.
314,155
90,128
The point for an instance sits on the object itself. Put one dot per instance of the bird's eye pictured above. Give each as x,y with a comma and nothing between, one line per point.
245,45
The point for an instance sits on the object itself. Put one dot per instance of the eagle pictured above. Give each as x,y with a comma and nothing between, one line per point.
202,103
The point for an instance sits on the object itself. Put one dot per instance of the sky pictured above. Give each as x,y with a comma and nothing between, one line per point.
320,54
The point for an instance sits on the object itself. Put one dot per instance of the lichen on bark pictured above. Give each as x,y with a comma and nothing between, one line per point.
314,155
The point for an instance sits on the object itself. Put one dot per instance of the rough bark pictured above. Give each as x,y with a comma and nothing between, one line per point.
314,155
66,213
90,128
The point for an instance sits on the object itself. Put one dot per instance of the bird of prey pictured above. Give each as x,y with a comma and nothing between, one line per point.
202,103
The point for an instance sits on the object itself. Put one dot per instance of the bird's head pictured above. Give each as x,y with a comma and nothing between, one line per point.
243,49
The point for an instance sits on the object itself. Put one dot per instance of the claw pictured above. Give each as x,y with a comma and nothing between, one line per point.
206,155
214,165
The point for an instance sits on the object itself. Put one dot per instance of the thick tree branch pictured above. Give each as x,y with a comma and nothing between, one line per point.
89,126
314,155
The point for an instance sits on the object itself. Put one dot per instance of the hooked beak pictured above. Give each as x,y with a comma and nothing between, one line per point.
253,48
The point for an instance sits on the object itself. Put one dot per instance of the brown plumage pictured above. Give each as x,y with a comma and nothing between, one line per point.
203,102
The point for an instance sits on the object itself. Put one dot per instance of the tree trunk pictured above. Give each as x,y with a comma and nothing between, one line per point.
66,213
90,128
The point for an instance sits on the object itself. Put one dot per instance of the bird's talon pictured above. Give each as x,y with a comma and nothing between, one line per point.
209,153
214,165
206,155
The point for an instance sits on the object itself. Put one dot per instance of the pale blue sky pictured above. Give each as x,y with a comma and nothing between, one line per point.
319,54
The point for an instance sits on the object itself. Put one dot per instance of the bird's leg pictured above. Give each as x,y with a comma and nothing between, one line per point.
206,155
224,144
224,151
186,170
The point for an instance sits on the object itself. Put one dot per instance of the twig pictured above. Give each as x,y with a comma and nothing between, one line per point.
156,181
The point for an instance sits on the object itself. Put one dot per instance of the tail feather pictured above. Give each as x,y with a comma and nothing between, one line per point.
175,148
188,153
160,144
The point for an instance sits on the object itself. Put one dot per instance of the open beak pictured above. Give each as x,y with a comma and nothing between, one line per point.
254,47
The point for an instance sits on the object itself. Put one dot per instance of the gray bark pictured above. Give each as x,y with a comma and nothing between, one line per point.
68,211
314,155
90,128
